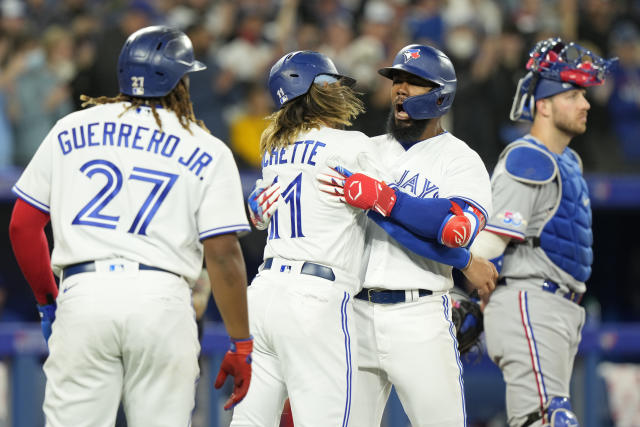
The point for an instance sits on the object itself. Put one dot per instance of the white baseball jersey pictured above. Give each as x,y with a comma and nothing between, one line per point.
440,167
118,186
308,225
303,323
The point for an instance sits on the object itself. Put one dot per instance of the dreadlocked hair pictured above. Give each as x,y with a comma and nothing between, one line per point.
178,101
332,105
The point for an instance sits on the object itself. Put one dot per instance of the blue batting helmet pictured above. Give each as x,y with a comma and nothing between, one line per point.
153,60
430,64
294,73
555,67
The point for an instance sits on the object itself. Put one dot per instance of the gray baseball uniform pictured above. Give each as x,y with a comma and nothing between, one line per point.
532,331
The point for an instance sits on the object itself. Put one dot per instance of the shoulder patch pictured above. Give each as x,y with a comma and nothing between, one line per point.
530,164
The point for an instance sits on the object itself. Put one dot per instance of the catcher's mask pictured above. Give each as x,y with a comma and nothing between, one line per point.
294,73
555,67
153,60
429,64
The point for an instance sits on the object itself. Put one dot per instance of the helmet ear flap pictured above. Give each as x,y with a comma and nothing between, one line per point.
432,65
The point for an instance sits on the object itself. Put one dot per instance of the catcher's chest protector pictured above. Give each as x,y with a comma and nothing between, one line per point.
567,237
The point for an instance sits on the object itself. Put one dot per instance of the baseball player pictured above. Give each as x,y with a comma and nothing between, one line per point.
300,303
438,191
541,235
406,335
137,191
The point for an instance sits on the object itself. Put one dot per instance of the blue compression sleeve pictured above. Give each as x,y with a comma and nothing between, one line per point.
456,257
423,217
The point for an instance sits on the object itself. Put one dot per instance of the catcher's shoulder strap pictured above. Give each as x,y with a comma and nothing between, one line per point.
529,163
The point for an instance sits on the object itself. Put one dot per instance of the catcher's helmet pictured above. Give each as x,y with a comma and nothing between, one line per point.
555,67
432,65
294,73
153,60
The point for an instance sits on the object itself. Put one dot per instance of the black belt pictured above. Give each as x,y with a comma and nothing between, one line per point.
387,296
90,267
552,287
310,268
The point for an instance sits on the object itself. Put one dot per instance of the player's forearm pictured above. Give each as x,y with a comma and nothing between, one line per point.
31,249
490,245
422,217
452,222
456,257
225,265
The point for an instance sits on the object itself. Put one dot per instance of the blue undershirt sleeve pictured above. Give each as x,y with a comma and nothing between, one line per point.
456,257
423,217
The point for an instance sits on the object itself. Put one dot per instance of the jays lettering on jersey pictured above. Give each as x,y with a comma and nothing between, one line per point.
440,167
308,225
139,191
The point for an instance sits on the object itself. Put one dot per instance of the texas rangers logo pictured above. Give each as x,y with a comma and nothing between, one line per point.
411,54
283,98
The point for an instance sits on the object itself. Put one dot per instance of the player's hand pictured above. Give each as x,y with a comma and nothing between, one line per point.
47,316
365,192
332,182
262,203
237,363
482,275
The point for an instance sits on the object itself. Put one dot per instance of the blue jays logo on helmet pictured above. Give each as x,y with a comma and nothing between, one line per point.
429,64
411,54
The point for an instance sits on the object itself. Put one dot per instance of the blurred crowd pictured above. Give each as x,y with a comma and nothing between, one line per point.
51,51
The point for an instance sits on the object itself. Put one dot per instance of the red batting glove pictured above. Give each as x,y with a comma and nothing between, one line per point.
365,192
236,362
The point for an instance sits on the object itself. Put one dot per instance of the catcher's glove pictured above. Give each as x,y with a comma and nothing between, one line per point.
467,318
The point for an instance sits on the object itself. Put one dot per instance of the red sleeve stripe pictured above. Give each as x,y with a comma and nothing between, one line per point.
505,232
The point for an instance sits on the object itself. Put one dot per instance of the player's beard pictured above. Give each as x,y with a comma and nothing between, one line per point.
570,126
406,131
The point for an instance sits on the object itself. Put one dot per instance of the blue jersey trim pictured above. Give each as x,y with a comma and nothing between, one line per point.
474,203
224,230
30,200
445,305
347,348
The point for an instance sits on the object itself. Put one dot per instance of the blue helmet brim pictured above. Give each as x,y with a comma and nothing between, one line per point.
547,88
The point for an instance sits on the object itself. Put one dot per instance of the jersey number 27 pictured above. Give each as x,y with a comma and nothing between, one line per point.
91,214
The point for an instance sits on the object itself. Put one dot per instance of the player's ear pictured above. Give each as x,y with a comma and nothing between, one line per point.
543,107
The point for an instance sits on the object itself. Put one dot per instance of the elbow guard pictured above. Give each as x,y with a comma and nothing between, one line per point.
460,227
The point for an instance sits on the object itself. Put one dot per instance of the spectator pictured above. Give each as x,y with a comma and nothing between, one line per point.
42,94
136,15
426,23
368,51
624,103
248,126
212,90
10,66
248,55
